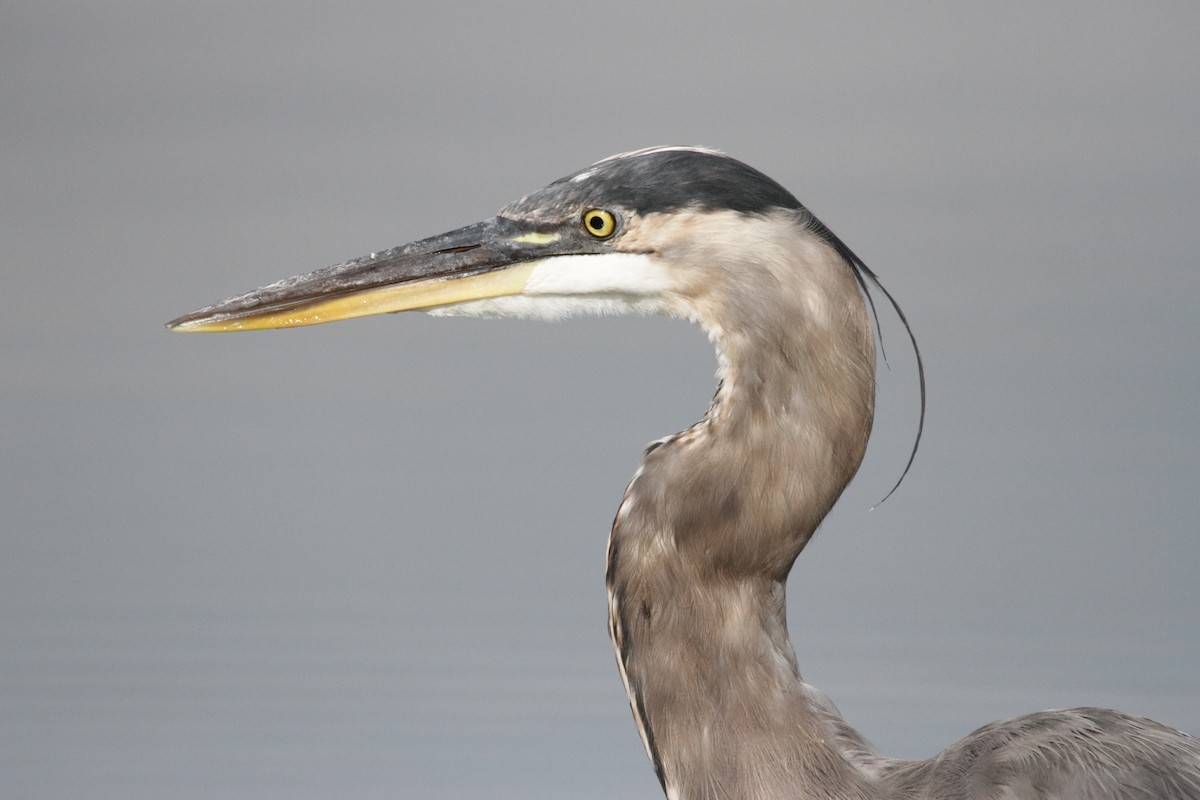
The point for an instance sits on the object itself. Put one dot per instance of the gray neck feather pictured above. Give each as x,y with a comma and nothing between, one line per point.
711,524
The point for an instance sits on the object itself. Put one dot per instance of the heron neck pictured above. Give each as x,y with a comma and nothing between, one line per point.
698,559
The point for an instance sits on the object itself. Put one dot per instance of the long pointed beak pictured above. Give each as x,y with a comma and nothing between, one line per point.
493,258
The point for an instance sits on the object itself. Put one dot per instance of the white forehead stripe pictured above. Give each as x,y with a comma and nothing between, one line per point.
646,151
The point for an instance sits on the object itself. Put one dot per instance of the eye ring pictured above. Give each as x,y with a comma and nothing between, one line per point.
599,222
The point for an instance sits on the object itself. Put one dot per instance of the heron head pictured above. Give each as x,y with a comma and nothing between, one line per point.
620,235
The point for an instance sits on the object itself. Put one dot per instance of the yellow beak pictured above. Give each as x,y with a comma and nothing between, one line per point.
493,258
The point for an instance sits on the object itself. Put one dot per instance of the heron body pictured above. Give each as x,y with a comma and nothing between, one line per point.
715,516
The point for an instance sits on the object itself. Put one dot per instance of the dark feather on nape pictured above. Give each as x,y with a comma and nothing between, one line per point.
862,274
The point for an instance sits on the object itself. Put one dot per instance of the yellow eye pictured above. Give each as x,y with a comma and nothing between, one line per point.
599,223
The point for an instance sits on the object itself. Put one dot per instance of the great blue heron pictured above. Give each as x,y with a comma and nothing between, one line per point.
715,516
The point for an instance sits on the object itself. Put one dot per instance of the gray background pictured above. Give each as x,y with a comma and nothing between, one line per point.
365,560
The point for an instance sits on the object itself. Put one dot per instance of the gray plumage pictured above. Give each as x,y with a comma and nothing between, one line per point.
710,525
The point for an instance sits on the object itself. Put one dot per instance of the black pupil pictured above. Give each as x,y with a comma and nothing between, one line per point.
596,221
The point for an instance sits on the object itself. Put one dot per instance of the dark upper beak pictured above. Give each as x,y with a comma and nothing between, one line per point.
488,259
